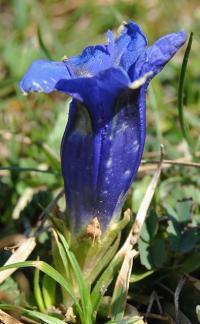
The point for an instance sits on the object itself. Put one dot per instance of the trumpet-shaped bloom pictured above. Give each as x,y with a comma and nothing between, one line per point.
105,134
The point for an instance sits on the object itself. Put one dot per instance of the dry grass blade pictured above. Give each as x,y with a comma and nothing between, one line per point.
141,215
119,297
122,282
7,319
21,254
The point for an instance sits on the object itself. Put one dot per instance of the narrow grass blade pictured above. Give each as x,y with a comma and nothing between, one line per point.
31,314
135,277
83,287
109,255
51,272
61,262
48,291
37,290
42,44
183,125
52,157
105,279
60,256
40,316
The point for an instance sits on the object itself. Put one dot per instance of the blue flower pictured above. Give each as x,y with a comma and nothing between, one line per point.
105,134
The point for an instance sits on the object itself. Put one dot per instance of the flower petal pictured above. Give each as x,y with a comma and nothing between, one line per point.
102,146
98,92
123,51
130,44
156,56
43,75
91,61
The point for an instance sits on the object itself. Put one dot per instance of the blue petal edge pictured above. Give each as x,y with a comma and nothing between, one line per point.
43,75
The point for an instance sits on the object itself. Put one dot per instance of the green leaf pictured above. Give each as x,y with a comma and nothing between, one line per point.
191,263
182,239
152,254
150,227
183,209
138,276
48,291
32,314
104,281
50,271
60,257
145,254
83,287
44,317
158,252
184,128
61,263
37,291
21,11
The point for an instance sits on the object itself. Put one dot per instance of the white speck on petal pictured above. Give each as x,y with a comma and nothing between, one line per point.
109,163
124,126
127,173
37,85
107,180
136,145
135,142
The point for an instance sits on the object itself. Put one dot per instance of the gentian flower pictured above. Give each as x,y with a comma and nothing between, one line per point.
105,133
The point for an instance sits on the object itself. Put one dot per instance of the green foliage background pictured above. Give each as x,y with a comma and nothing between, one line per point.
169,244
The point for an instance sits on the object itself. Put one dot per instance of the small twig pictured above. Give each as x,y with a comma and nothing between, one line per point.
153,297
176,297
157,316
173,162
